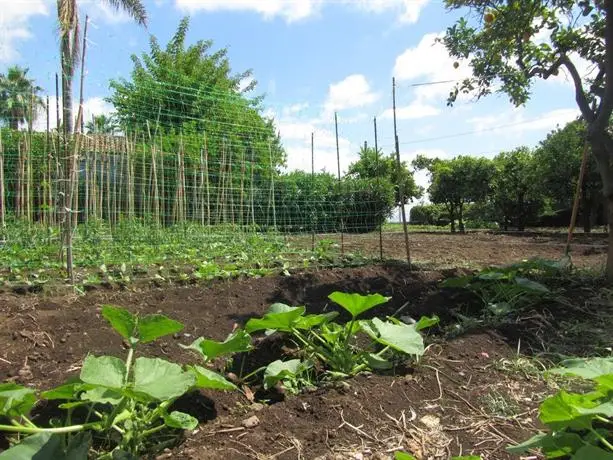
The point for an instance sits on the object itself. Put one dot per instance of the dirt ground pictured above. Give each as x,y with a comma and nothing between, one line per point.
476,248
457,400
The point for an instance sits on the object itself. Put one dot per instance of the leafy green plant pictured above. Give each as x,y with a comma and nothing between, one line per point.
292,376
334,344
127,404
504,290
580,424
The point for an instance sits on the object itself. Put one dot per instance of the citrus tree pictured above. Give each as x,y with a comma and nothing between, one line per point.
509,44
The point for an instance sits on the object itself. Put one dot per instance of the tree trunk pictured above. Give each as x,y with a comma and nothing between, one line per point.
586,215
609,269
461,219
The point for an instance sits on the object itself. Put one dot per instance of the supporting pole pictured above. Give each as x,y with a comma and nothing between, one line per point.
400,181
378,185
313,222
338,161
573,218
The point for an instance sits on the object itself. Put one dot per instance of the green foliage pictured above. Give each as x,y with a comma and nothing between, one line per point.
292,375
238,341
579,423
126,402
457,182
515,192
558,162
506,290
19,97
334,345
429,214
374,165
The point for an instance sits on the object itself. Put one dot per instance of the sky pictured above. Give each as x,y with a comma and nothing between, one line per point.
310,58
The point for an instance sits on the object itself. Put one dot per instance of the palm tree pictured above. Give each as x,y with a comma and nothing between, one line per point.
68,19
102,124
19,97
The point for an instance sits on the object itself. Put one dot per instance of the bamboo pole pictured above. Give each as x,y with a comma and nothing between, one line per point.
400,181
206,176
378,184
2,202
338,161
573,218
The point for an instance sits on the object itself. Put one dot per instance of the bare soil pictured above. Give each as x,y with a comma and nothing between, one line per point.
457,400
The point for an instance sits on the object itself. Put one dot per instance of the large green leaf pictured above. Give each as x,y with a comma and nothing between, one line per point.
44,446
68,391
308,322
279,370
279,318
160,379
152,327
585,368
106,371
589,452
180,420
237,342
530,285
401,337
16,400
560,411
356,304
102,395
554,445
47,446
206,378
120,319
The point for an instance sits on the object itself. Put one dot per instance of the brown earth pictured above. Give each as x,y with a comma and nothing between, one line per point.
475,249
455,401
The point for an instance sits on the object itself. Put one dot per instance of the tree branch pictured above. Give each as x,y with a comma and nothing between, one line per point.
603,115
580,96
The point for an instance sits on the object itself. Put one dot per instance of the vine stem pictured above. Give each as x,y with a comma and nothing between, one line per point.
602,439
35,430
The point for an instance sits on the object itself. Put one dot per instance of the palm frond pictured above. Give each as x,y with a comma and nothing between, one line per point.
134,8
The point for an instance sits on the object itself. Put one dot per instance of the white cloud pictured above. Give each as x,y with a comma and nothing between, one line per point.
516,122
414,110
352,92
295,10
429,61
296,132
14,17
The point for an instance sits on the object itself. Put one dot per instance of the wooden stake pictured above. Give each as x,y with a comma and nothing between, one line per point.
400,182
338,161
378,185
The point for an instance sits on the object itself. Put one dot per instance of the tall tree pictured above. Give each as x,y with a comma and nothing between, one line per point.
69,31
511,43
373,165
102,124
515,192
558,162
457,182
19,97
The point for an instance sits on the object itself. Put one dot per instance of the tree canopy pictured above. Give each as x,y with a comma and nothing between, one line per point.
511,44
19,97
457,182
515,192
374,164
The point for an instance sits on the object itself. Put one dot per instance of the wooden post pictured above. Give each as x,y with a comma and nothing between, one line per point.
378,184
338,161
400,182
573,218
313,220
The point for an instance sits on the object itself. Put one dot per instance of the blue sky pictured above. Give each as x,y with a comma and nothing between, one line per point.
311,58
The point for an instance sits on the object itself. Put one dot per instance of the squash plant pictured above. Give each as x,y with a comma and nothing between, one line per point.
580,424
126,404
334,344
